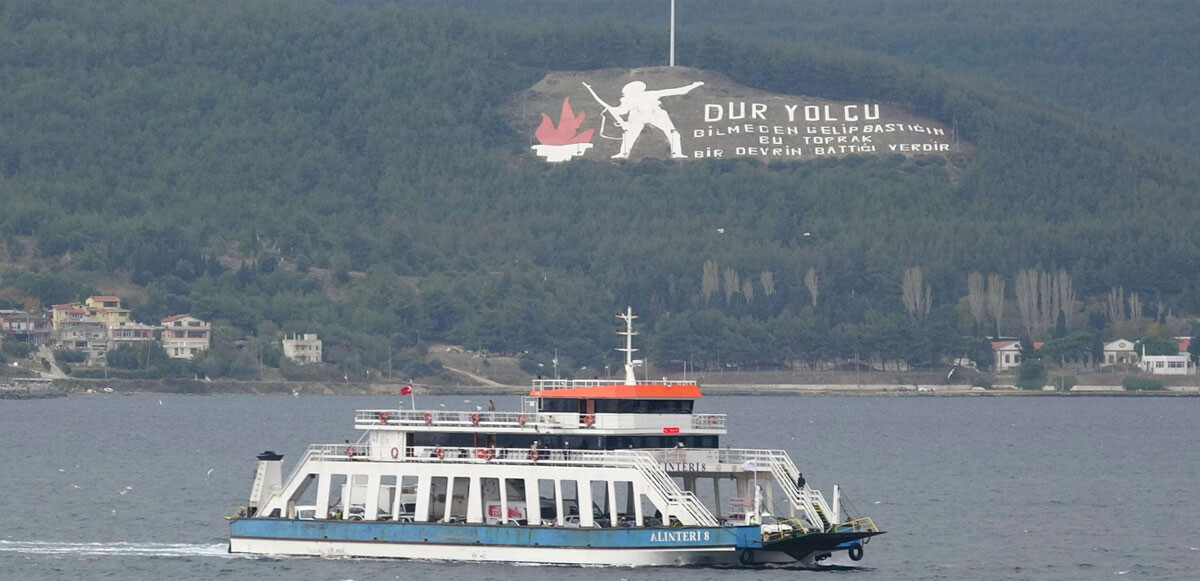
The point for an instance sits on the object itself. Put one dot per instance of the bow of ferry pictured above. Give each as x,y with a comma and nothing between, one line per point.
586,472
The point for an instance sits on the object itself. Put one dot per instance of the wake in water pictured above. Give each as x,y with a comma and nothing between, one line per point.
120,549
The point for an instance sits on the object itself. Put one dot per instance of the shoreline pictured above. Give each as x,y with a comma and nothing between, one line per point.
192,387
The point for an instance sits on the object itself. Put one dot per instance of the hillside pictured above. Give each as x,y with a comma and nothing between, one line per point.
347,169
1126,63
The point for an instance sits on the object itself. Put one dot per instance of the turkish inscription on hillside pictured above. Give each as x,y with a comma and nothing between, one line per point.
686,113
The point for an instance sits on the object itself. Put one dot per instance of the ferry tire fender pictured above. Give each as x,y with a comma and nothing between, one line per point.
855,552
440,453
589,420
533,454
395,453
350,451
383,417
475,418
428,417
521,419
746,557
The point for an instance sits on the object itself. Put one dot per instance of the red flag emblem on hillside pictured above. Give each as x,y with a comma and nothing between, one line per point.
564,141
568,124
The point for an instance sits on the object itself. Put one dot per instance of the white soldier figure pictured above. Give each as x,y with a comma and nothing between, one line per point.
642,108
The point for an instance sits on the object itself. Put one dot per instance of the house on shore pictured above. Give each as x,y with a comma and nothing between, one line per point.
85,335
1120,352
1007,354
1179,364
130,333
184,336
25,327
302,348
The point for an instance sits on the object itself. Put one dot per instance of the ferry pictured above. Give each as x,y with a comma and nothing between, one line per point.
587,472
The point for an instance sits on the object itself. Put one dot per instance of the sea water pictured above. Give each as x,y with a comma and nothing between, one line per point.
136,487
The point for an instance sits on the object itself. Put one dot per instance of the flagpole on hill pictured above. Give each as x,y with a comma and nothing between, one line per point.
672,60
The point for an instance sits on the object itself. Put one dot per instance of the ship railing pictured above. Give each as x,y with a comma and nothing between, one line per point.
453,418
779,464
482,419
859,525
550,384
329,452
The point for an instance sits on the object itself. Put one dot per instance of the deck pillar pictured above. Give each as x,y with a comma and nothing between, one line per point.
322,495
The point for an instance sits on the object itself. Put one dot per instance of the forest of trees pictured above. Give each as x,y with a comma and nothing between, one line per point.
346,169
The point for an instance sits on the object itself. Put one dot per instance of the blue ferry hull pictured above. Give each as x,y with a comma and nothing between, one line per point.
611,546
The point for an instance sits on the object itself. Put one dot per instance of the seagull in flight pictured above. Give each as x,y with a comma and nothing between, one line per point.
209,473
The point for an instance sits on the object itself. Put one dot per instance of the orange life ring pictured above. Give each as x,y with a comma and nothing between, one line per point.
429,417
484,453
533,454
521,419
588,420
350,451
475,418
395,452
383,417
440,453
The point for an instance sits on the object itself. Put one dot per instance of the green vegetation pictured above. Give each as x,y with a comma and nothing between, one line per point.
1031,374
1064,382
1141,384
346,169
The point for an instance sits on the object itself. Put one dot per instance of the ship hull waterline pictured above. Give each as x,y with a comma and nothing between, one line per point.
476,543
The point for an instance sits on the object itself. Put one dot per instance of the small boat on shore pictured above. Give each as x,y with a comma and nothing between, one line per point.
586,472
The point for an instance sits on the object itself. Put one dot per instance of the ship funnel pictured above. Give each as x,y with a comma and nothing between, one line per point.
268,480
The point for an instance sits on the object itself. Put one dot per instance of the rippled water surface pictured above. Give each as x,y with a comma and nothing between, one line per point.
968,488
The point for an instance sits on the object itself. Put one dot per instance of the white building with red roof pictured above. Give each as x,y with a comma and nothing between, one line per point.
184,336
1007,353
1178,364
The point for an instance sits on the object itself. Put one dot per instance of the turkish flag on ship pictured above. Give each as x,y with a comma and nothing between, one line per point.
406,390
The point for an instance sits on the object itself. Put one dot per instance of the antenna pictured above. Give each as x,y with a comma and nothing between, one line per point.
628,317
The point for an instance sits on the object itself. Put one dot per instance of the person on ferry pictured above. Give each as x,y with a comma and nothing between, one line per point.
800,481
